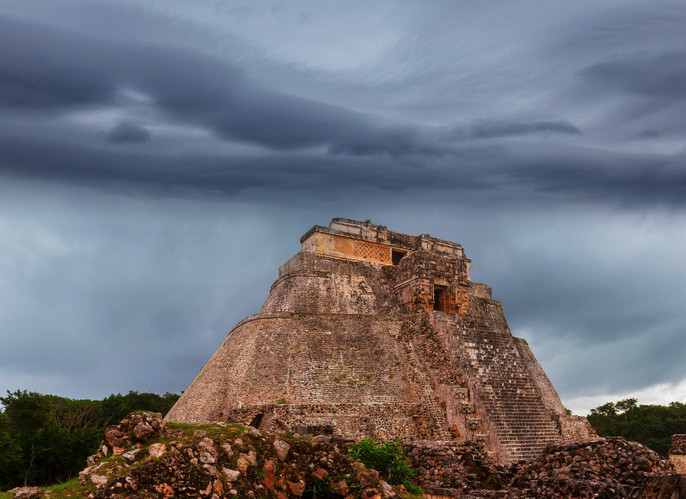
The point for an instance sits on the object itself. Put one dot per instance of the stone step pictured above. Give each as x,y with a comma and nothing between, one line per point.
474,423
467,407
480,437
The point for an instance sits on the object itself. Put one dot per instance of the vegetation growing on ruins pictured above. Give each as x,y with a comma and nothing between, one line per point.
651,425
388,458
45,439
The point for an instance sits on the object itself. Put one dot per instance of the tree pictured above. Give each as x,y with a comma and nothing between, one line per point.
651,425
608,409
626,404
45,438
11,458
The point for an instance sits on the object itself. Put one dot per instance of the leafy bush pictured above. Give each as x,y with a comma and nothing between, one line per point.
388,458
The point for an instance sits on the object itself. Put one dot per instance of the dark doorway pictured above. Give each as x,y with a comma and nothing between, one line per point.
396,256
441,298
255,423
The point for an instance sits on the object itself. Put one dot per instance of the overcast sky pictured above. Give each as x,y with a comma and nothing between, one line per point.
160,159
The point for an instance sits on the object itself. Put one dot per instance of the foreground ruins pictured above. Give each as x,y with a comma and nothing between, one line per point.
369,332
144,457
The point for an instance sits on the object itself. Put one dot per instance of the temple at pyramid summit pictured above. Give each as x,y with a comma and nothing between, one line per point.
373,333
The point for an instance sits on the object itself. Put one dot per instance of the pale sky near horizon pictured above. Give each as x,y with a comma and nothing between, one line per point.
160,159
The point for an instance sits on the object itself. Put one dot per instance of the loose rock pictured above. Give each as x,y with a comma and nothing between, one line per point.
282,449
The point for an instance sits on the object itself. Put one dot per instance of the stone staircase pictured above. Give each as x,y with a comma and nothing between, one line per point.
505,389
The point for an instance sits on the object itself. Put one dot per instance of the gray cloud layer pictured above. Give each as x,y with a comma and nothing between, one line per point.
52,70
662,76
126,132
519,139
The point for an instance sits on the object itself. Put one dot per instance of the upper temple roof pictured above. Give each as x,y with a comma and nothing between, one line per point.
379,235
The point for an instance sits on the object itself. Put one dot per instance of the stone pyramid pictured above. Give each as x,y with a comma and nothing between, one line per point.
370,332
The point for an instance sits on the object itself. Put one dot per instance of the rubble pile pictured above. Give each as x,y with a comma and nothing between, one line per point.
223,460
609,467
601,468
450,468
144,457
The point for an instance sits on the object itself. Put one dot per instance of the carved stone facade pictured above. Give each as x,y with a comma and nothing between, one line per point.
369,332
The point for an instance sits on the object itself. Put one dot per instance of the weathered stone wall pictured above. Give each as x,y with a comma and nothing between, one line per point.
420,273
677,452
313,284
355,421
320,294
331,361
679,462
364,241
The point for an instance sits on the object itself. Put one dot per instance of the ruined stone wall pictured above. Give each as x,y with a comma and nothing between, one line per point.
327,360
420,273
308,262
320,294
384,421
312,284
679,462
677,452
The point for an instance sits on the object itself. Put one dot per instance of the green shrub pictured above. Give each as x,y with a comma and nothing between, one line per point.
388,458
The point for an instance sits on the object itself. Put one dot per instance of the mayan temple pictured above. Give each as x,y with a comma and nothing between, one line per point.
369,332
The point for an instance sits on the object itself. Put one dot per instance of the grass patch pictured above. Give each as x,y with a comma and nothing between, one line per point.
214,431
70,488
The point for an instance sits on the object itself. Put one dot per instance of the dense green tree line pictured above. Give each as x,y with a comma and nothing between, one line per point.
651,425
45,439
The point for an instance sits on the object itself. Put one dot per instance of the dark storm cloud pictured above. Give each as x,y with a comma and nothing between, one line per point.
206,173
509,173
663,76
498,129
126,132
51,70
648,134
588,174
